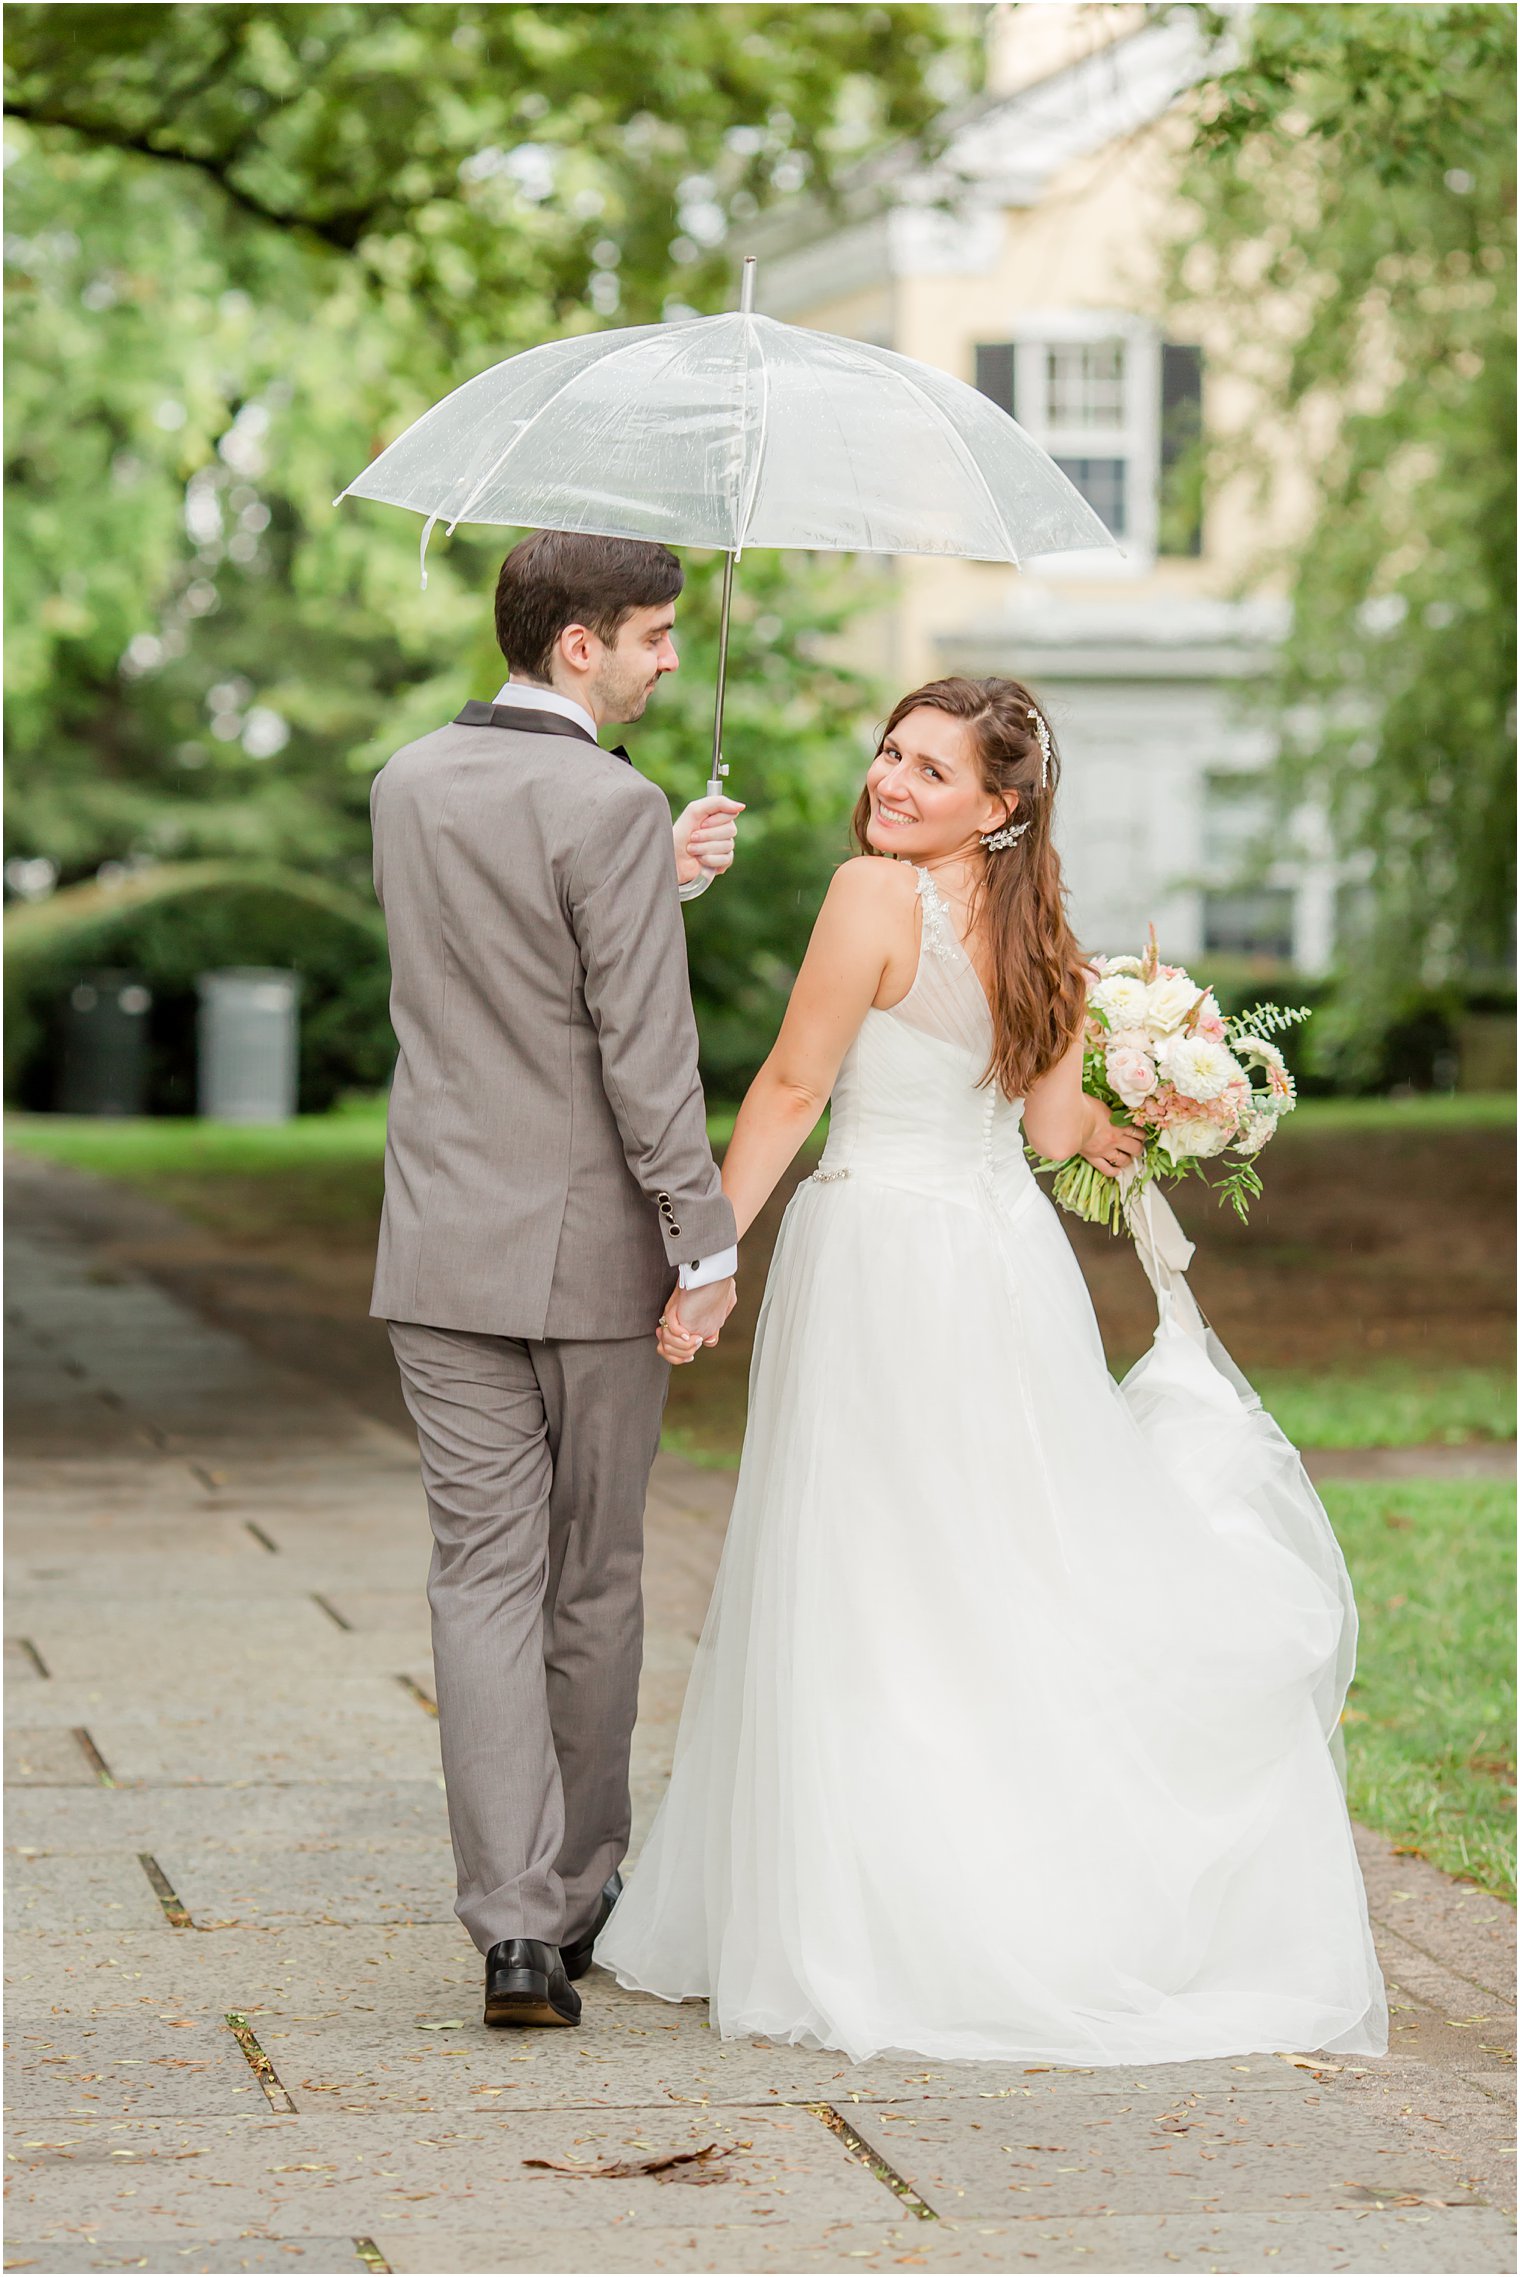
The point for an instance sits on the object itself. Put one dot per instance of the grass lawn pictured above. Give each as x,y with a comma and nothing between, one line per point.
149,1148
1390,1403
1430,1720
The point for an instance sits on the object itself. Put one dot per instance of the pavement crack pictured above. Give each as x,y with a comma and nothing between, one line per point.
872,2160
25,1644
176,1913
258,2063
263,1540
1391,1928
92,1755
325,1605
424,1700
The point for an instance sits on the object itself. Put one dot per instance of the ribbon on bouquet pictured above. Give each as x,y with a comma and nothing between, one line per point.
1164,1250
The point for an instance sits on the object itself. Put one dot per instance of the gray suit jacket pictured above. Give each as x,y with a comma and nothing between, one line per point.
546,1159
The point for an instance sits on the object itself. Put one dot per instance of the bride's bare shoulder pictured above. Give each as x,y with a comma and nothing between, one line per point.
870,916
871,884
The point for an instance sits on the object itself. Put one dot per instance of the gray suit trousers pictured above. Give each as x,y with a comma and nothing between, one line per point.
535,1459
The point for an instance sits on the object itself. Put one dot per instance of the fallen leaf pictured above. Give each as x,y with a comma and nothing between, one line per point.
663,2169
452,2024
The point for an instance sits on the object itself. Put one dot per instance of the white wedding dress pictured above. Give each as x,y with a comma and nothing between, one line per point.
1012,1731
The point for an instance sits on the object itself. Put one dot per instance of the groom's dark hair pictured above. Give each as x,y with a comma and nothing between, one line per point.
557,578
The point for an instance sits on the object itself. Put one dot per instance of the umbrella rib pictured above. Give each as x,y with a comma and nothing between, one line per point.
966,458
528,424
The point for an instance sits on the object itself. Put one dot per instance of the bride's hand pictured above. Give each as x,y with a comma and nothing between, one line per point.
675,1343
1113,1146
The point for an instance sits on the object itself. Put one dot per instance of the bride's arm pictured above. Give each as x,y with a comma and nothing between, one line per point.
865,917
1061,1120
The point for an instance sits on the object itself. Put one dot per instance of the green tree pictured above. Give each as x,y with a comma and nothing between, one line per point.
247,245
1352,194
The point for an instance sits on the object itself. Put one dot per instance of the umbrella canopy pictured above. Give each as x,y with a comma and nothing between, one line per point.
733,431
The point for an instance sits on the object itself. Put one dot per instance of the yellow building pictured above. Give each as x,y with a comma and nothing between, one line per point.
1028,261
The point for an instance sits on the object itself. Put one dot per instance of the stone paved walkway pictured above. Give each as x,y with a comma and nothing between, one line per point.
243,2025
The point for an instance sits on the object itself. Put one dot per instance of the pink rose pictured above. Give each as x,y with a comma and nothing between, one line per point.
1132,1073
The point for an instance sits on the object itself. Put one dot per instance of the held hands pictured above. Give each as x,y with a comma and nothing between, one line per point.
692,1318
705,835
1113,1147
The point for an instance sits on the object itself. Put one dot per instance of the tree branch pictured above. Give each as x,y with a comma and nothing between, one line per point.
341,232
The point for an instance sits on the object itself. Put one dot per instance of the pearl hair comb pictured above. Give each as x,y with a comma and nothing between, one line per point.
1043,733
996,841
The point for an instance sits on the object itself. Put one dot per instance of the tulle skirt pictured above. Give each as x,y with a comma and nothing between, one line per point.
1012,1732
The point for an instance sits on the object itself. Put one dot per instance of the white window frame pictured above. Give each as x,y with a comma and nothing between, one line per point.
1136,440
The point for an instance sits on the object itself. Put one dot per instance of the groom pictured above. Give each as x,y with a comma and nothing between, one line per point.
548,1182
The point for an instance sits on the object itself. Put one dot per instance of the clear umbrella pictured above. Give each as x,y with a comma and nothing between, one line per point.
729,431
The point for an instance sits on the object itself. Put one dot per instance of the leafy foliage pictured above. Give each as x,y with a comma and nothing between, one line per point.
1352,196
247,245
1268,1019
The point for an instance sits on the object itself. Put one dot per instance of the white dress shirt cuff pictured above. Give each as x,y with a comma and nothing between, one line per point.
721,1266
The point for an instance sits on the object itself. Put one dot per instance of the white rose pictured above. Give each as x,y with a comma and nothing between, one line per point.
1197,1066
1121,1000
1168,1003
1131,1071
1192,1135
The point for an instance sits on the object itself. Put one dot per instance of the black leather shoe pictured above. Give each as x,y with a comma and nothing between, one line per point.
577,1957
526,1984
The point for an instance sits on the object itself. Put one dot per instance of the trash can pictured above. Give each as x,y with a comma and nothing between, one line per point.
104,1065
246,1037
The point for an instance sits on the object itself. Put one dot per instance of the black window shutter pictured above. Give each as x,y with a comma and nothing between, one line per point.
1181,516
994,373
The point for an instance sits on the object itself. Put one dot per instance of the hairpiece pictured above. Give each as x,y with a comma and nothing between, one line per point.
1043,734
996,840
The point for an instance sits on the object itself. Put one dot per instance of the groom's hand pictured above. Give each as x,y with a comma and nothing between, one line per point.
692,1318
705,836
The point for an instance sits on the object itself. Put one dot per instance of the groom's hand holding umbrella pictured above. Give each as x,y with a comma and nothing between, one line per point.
705,835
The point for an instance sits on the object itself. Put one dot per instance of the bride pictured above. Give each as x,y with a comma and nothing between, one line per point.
1012,1728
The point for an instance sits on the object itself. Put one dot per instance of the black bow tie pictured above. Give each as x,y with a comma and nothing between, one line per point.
528,720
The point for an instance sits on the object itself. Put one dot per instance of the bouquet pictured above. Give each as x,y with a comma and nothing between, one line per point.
1198,1086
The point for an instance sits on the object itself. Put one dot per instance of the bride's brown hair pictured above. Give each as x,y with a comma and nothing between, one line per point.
1038,993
